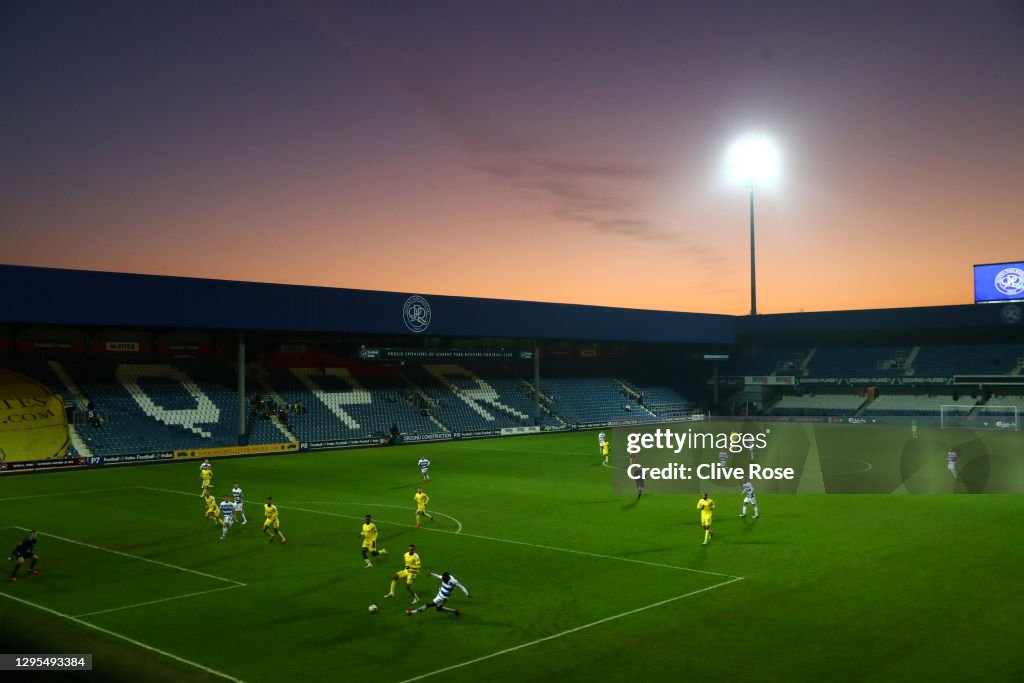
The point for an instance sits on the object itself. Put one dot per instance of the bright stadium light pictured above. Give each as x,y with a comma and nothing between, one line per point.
753,160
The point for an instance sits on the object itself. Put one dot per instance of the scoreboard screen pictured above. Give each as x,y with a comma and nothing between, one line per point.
999,282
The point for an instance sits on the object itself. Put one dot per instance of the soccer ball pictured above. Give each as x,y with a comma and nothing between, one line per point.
373,609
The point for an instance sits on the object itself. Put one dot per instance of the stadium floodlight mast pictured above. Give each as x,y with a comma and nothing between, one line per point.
753,160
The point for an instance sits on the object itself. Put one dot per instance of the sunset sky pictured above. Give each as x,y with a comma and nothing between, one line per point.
541,150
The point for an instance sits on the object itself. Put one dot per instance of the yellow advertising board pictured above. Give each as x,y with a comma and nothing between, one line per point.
237,450
33,425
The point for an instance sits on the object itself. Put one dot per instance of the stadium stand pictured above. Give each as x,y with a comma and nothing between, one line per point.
995,359
663,401
818,404
150,407
464,401
340,405
152,404
858,361
994,404
592,399
773,361
911,405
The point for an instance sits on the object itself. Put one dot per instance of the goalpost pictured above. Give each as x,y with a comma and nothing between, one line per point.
980,417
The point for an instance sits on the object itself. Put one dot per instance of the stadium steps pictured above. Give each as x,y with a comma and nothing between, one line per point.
305,376
633,393
257,372
908,363
288,434
79,444
807,361
863,406
483,393
426,400
80,400
528,390
628,389
440,425
416,390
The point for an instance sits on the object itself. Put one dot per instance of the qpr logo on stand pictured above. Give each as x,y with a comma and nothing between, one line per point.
1010,281
416,313
1011,314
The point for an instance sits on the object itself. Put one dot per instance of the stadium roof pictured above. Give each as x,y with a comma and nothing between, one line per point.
76,297
50,296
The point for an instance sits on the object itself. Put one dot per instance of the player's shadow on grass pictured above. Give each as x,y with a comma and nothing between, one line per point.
406,486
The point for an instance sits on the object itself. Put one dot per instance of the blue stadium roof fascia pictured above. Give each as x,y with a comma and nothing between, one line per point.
51,296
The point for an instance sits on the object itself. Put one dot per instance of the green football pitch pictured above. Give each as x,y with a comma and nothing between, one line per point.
568,580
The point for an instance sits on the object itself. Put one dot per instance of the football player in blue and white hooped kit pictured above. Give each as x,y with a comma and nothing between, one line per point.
424,465
444,593
227,511
749,498
236,492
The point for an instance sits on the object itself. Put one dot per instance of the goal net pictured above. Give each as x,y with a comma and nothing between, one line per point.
980,417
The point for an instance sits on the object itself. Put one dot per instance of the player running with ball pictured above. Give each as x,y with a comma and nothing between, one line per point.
444,593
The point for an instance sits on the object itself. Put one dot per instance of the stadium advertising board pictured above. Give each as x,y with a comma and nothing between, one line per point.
128,458
236,450
341,443
770,380
999,282
843,381
35,465
508,431
33,424
476,433
437,436
122,346
370,353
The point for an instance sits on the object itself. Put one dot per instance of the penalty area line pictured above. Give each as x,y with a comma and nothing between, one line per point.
119,636
66,493
135,557
571,630
156,602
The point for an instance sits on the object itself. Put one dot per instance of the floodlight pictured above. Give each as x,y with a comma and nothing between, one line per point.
753,160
